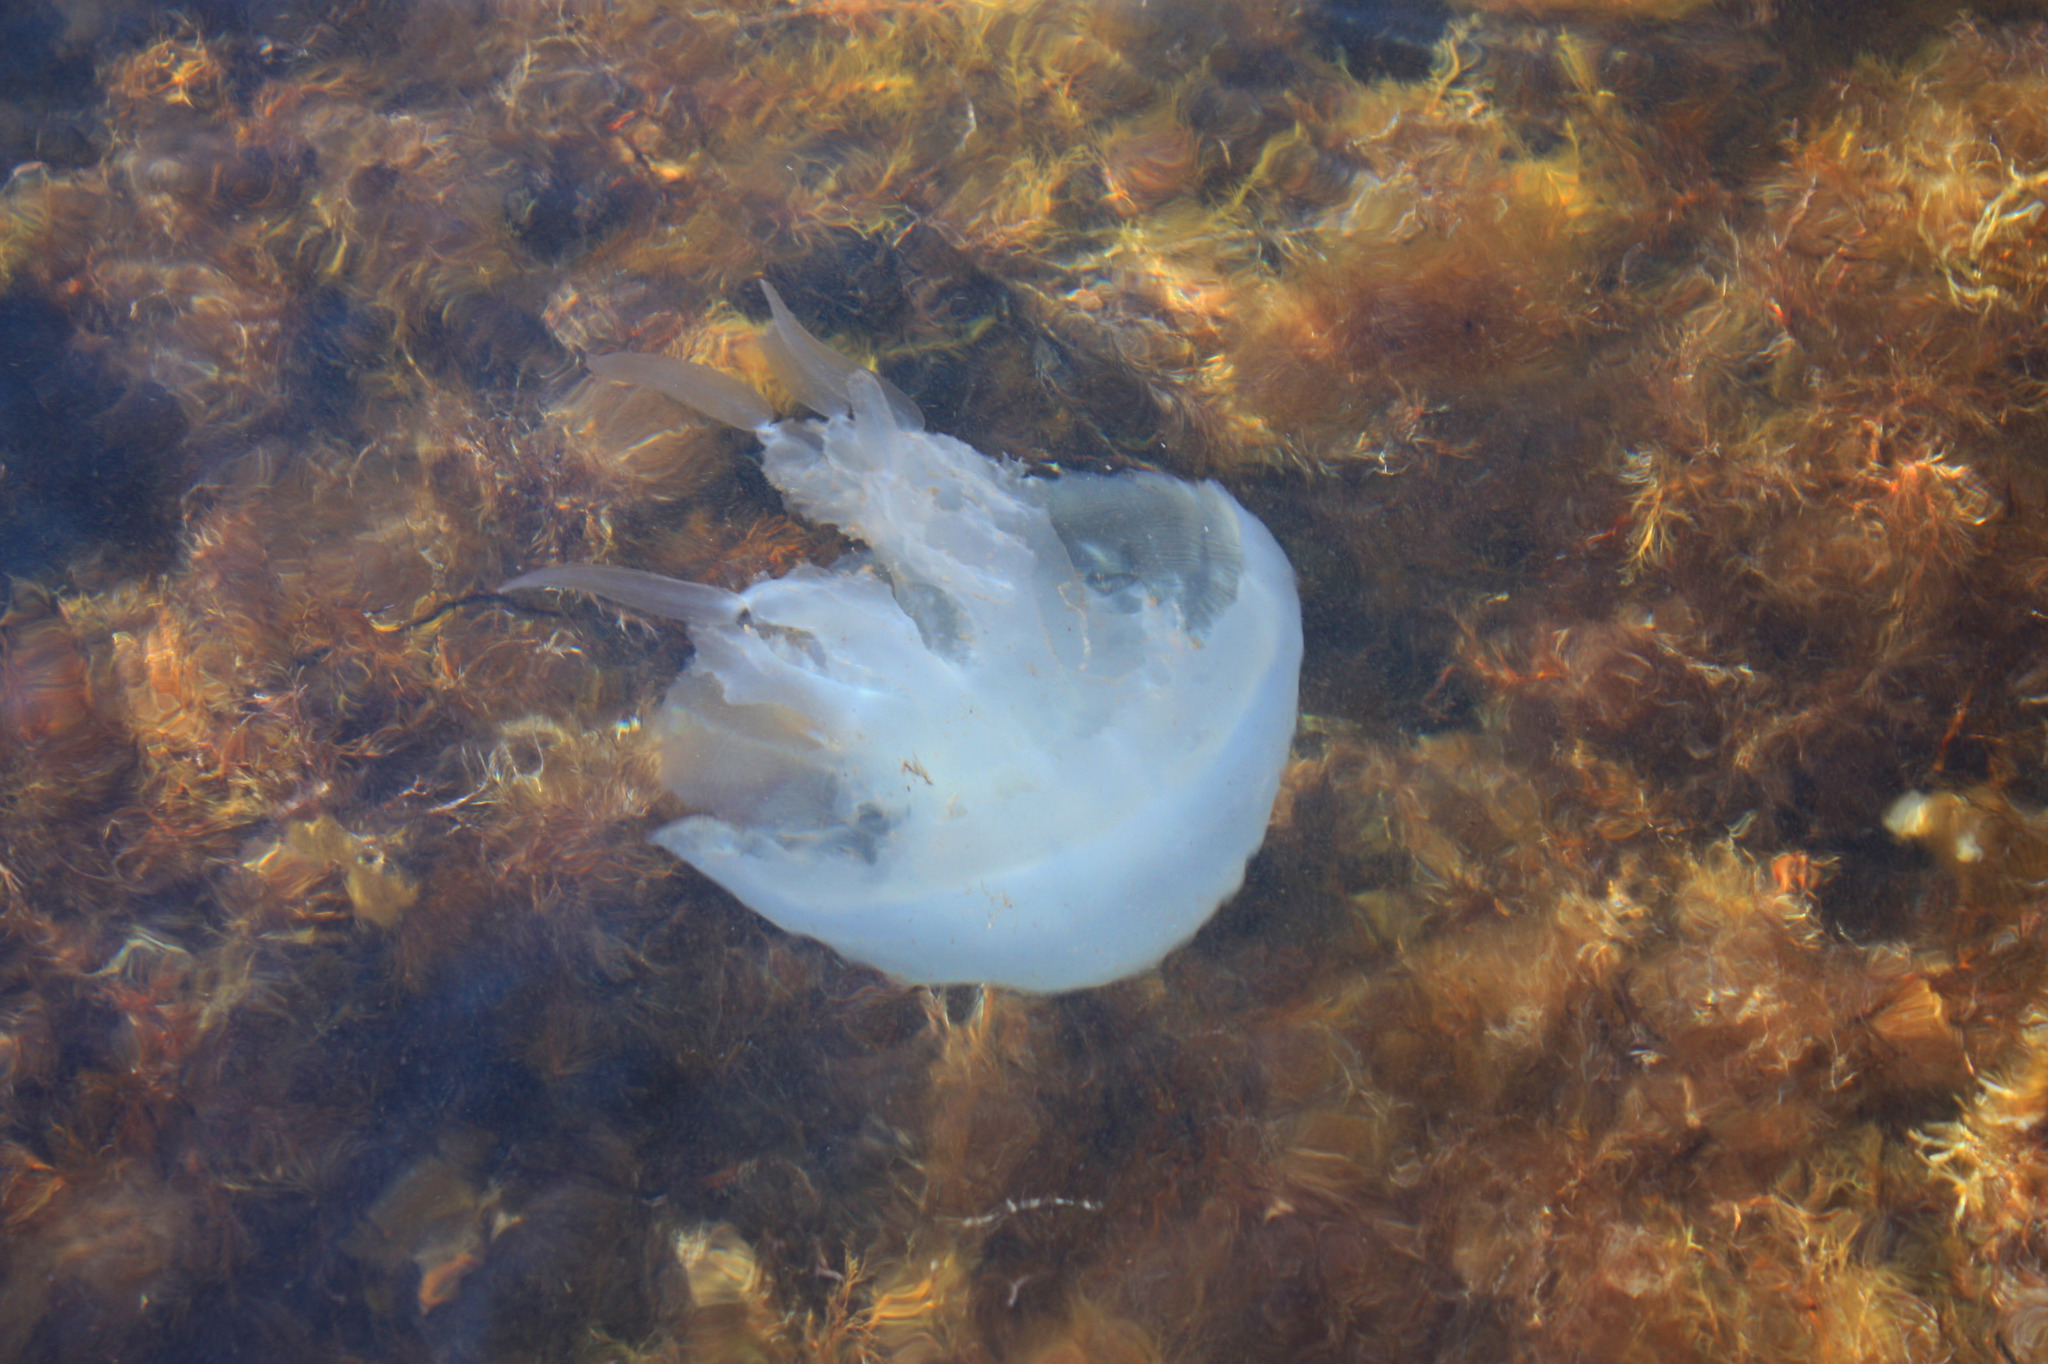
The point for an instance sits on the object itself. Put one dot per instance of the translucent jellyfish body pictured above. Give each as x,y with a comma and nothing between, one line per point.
1029,737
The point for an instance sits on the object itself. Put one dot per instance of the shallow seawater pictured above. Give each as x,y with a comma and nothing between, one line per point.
1645,958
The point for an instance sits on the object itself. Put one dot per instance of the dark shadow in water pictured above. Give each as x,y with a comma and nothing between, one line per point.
1379,37
83,454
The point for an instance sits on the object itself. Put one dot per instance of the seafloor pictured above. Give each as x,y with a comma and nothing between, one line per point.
1652,394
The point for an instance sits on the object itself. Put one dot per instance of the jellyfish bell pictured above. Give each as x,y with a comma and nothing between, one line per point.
1029,737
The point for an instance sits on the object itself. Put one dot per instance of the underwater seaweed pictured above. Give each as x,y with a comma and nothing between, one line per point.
1645,956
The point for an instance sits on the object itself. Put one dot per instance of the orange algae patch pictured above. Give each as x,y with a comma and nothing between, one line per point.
311,849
